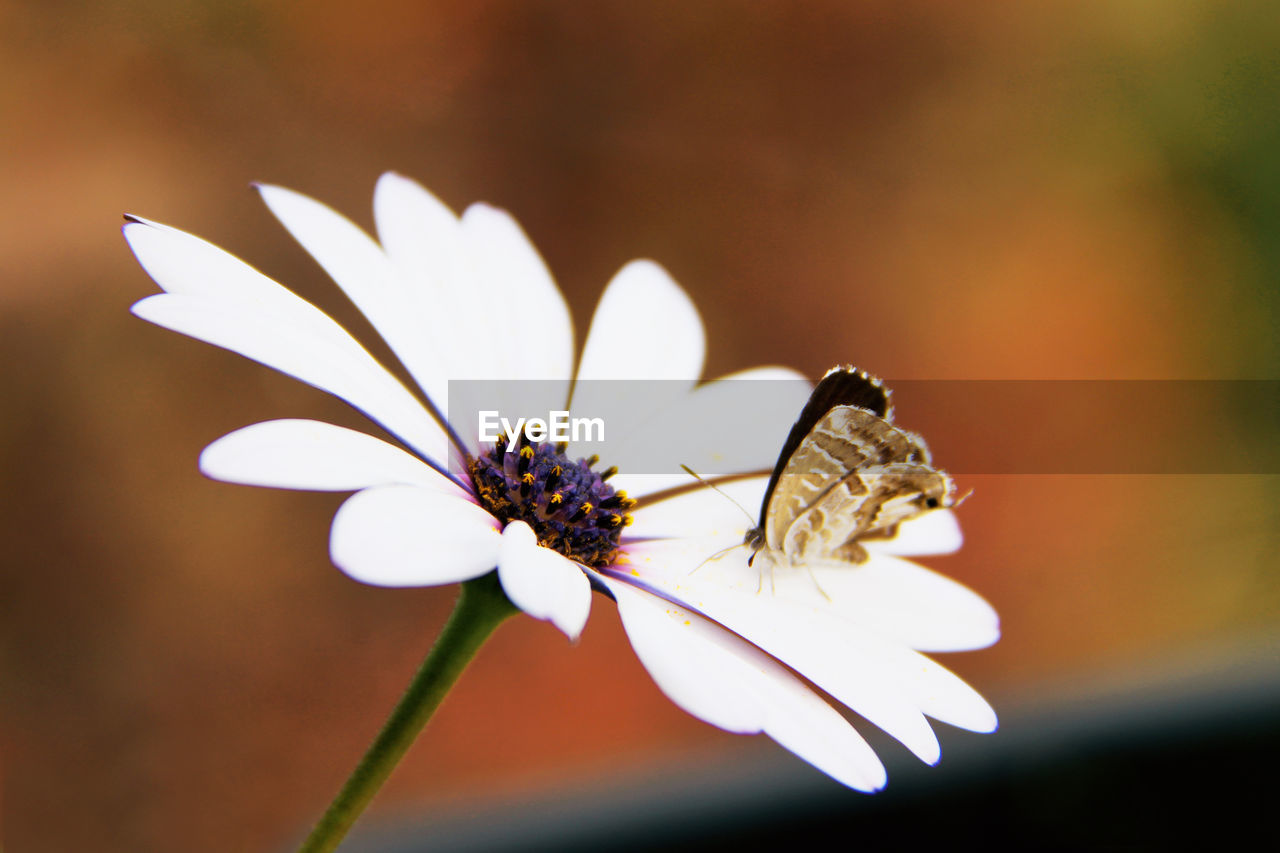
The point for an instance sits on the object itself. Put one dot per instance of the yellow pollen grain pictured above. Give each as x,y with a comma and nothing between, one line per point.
526,452
527,479
556,499
586,506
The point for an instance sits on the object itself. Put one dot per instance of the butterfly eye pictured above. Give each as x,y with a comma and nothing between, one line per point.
931,503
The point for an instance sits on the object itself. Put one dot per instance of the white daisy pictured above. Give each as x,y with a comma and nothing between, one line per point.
469,298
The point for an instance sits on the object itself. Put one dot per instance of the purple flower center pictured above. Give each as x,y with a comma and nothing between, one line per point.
568,504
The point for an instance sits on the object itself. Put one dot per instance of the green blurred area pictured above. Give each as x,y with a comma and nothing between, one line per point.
1208,105
928,190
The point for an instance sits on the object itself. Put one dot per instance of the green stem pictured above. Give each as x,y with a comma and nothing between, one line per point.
481,607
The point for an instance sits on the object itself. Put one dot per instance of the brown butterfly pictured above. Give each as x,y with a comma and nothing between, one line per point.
846,474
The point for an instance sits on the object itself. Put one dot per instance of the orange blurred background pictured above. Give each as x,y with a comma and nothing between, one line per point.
1005,191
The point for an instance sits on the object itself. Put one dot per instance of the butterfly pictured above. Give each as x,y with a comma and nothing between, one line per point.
846,474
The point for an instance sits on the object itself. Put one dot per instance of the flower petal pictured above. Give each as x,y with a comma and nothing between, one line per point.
359,266
422,238
728,426
896,598
834,624
215,297
719,678
892,597
408,536
724,513
182,263
541,582
838,657
878,676
520,331
935,532
528,323
645,327
305,454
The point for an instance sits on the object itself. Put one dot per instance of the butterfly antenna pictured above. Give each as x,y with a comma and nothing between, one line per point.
717,555
719,491
750,518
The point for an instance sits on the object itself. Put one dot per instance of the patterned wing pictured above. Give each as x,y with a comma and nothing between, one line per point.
854,475
841,386
885,497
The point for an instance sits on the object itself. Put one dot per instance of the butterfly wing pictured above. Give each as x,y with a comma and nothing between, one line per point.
841,386
855,475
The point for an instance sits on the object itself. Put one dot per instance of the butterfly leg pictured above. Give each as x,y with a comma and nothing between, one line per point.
808,568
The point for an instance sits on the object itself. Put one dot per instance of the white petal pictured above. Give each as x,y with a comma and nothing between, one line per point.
726,512
407,536
782,611
359,266
728,427
897,598
732,425
719,678
888,596
645,327
423,239
640,485
214,296
296,344
943,695
541,582
856,669
492,303
527,317
182,263
305,454
935,532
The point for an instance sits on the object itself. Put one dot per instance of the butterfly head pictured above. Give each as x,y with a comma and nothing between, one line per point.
755,540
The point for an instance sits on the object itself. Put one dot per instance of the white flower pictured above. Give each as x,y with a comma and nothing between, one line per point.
469,298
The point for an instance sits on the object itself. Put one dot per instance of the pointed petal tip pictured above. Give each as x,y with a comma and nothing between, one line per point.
132,220
930,753
874,783
571,630
269,190
140,308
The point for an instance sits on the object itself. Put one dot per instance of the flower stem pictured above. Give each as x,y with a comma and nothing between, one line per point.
481,607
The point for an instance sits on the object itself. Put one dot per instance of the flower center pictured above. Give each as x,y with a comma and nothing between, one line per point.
569,506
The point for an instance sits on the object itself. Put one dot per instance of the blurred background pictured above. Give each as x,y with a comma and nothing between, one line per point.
930,190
